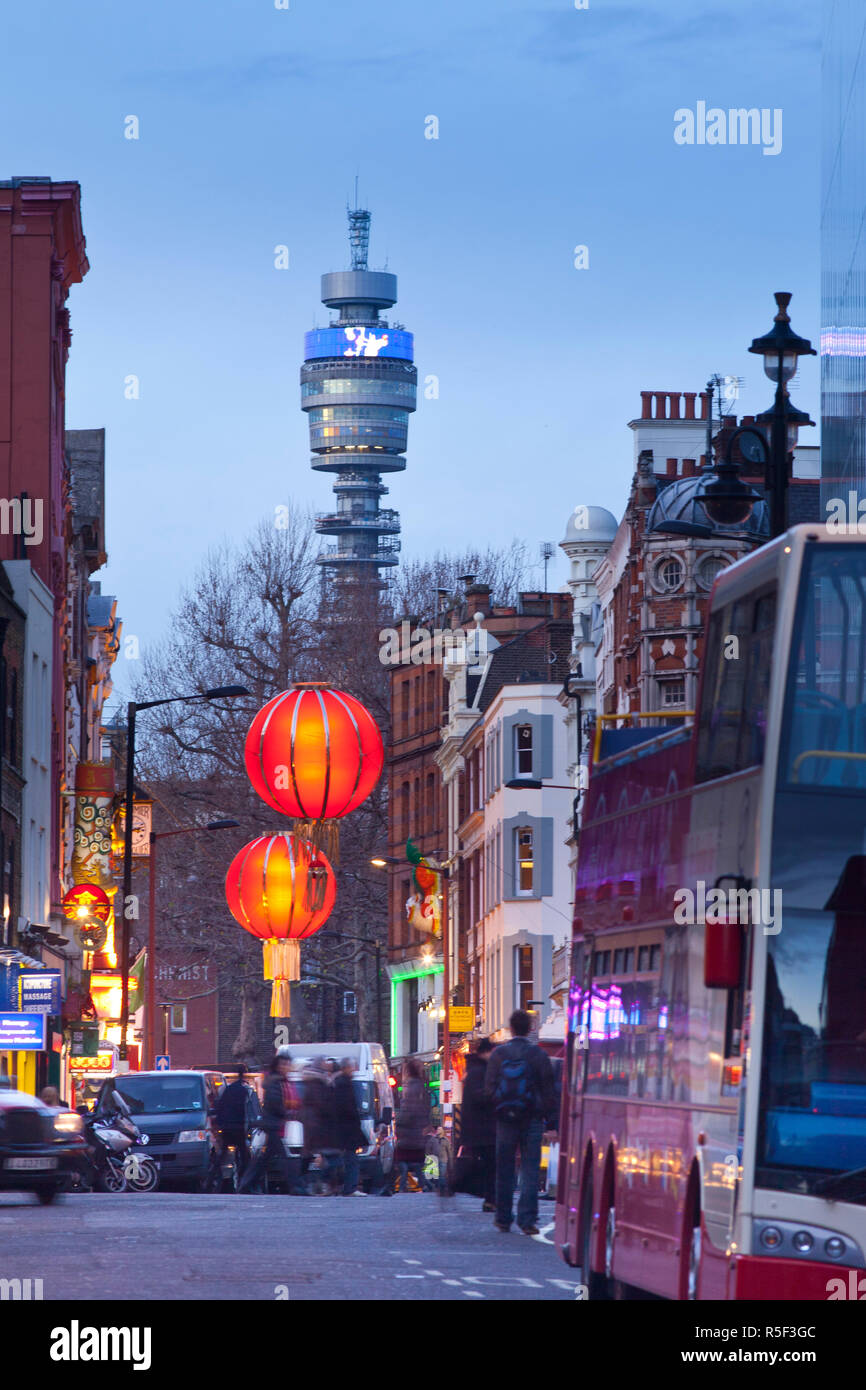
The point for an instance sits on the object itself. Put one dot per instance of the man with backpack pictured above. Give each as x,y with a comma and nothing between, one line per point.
520,1085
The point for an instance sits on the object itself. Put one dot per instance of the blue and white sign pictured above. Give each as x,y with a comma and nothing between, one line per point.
22,1032
162,1062
39,991
359,340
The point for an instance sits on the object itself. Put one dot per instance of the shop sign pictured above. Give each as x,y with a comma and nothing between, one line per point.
22,1032
39,991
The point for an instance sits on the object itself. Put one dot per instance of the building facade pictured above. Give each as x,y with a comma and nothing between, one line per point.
358,389
61,634
433,764
42,255
654,584
843,253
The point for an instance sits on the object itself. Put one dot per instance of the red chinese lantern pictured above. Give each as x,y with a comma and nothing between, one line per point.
87,900
281,889
314,753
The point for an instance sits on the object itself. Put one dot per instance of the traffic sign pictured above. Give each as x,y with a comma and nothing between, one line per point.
163,1062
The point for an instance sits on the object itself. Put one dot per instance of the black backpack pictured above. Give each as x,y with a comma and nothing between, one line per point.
513,1096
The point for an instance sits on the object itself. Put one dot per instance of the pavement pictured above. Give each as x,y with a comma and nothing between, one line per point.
178,1246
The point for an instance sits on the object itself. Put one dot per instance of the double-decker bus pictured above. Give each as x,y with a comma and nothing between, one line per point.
713,1124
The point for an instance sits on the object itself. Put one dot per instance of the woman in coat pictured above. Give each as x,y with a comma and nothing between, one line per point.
412,1125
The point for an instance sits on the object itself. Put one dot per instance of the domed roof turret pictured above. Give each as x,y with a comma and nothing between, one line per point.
595,524
681,502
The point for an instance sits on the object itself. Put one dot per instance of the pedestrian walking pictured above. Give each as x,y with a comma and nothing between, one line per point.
278,1101
233,1114
318,1119
50,1096
347,1123
476,1159
412,1126
520,1085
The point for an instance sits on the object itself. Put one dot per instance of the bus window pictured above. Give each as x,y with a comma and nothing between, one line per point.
826,699
732,722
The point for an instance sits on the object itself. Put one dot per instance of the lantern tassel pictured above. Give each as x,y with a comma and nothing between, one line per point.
282,963
323,835
316,889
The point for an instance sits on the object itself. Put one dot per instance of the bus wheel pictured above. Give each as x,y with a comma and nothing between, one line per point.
616,1288
596,1284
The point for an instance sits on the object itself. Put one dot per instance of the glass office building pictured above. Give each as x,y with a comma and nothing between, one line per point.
843,251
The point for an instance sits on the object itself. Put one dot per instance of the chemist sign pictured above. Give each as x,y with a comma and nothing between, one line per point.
39,991
22,1032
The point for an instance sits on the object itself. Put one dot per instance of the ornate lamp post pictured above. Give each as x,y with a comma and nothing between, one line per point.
780,349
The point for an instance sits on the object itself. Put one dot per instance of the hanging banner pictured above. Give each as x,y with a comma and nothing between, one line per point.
94,803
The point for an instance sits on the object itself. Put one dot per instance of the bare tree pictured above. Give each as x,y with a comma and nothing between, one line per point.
415,587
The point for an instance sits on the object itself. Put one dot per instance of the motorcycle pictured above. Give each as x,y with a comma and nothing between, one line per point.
114,1161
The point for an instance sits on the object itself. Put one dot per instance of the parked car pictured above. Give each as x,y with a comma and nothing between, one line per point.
174,1109
40,1148
375,1103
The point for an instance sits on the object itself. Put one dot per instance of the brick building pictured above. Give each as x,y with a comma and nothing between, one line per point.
422,703
187,1013
653,585
12,634
42,254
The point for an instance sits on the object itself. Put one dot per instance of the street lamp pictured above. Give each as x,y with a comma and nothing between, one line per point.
381,861
780,349
151,926
132,709
725,498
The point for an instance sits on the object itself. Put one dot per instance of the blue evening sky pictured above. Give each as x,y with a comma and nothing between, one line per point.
555,129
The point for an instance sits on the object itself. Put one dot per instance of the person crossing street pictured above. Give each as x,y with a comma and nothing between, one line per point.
520,1085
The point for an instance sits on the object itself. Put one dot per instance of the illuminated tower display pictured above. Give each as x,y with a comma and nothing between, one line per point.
358,387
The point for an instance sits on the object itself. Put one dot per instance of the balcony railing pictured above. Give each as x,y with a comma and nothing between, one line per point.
385,521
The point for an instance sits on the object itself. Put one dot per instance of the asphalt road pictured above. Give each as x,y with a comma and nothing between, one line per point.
175,1246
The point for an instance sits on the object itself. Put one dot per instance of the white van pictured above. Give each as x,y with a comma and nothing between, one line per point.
372,1091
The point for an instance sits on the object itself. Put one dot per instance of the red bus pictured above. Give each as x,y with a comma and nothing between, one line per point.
713,1122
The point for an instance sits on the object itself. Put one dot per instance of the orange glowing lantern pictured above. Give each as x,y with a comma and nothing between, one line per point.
281,889
314,753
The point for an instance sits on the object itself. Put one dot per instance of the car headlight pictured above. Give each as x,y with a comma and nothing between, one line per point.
68,1123
192,1136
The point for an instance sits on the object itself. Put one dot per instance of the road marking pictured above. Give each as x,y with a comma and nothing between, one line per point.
451,1281
473,1293
408,1276
512,1280
436,1272
411,1262
542,1234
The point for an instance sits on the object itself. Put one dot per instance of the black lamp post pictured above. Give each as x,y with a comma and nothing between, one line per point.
132,709
780,349
725,498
